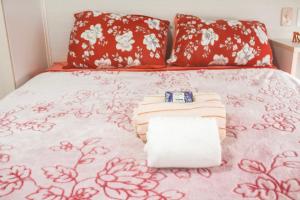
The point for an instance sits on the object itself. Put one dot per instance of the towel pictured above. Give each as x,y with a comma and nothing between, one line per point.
183,142
206,105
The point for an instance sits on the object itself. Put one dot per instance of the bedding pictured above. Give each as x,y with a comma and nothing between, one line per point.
200,42
68,135
206,105
108,40
63,67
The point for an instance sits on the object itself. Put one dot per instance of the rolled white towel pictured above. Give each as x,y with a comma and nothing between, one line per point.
183,142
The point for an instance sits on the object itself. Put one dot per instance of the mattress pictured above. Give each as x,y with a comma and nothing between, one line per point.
68,135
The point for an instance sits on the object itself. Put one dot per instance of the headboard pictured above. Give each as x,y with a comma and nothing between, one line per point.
58,15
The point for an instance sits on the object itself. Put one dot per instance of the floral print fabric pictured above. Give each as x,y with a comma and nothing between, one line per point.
106,40
200,42
77,141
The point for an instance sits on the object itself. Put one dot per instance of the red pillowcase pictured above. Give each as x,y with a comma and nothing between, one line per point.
223,42
107,40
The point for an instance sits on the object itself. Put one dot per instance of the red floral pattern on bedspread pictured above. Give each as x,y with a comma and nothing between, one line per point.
4,156
267,185
76,142
188,173
128,178
12,179
120,178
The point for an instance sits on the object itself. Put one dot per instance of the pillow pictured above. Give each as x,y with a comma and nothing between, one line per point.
107,40
200,42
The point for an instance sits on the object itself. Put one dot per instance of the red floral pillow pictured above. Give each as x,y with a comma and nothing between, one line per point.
223,42
106,40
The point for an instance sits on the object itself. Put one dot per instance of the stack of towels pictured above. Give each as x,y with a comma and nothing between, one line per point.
182,135
206,105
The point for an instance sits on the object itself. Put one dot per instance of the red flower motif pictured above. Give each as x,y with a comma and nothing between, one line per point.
274,107
60,174
172,195
263,189
247,190
292,164
12,179
122,120
51,193
288,154
40,108
204,172
81,96
84,194
5,124
282,121
187,173
286,159
275,88
98,150
235,101
252,166
90,149
270,187
291,185
267,188
64,145
181,173
279,121
4,158
295,106
82,114
6,119
233,131
57,115
119,114
36,125
260,126
124,179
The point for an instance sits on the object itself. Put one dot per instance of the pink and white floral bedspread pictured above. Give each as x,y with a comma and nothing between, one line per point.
68,136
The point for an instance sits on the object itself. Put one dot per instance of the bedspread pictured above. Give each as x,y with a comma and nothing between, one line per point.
68,136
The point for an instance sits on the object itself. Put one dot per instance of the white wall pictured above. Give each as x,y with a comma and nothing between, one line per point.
60,14
26,37
6,74
24,19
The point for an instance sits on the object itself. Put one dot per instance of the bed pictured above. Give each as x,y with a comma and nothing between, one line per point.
68,135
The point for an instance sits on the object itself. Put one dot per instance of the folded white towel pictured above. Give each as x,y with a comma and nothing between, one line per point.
183,142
